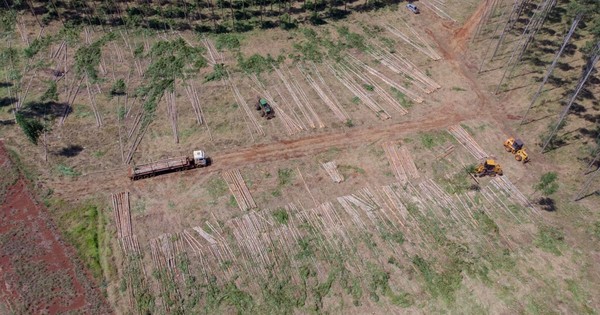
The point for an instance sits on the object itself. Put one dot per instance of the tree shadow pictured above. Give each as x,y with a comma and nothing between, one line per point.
547,204
50,110
70,151
5,84
7,101
9,122
564,66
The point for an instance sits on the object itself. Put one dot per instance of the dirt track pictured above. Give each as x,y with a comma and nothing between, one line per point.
37,272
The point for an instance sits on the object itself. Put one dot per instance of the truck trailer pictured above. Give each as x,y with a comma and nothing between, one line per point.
168,165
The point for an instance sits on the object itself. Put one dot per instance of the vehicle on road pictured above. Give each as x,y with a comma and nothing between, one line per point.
169,165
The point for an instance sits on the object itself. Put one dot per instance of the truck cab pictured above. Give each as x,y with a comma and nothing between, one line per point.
199,158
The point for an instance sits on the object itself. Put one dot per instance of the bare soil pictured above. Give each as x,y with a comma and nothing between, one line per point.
38,271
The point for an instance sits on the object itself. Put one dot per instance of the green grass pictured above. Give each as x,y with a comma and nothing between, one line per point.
9,177
433,139
458,89
595,230
285,176
216,187
439,284
232,202
550,239
396,237
401,98
281,216
67,171
379,285
84,227
276,193
350,169
468,129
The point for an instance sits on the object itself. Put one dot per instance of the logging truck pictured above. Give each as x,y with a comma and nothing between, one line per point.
169,165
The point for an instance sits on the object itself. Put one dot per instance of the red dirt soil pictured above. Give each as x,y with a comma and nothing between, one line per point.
38,274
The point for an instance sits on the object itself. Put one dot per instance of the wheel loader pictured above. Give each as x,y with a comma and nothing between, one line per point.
516,147
488,168
265,108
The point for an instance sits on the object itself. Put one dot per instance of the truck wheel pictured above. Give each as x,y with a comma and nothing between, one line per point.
518,158
262,114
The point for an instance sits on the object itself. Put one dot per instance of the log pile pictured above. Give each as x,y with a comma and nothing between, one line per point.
238,188
467,141
122,216
332,170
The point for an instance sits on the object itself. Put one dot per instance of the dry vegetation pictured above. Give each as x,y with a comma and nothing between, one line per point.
355,198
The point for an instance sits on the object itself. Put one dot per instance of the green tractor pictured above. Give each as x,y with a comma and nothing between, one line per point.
265,108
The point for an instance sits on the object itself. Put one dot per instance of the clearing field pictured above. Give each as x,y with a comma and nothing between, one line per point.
357,197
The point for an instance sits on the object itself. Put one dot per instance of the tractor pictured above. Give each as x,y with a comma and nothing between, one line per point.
488,168
265,108
516,147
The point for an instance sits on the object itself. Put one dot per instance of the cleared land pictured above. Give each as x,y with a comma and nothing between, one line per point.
355,198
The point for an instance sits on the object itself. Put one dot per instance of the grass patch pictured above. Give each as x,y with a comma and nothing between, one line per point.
468,129
596,229
350,169
276,193
396,237
281,216
379,285
98,154
67,171
458,89
402,98
84,228
232,202
216,187
285,176
430,140
369,87
550,239
439,284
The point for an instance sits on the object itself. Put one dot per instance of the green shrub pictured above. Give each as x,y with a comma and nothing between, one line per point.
227,41
118,88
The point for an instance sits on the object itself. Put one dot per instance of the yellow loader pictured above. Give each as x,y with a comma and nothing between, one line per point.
516,147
